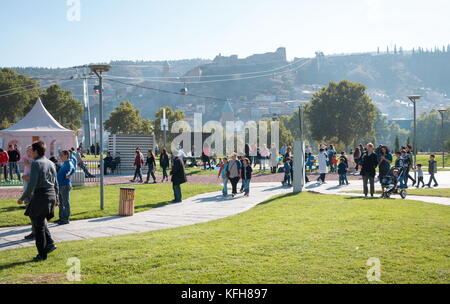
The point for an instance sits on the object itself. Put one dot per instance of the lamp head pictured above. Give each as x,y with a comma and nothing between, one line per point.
100,68
413,98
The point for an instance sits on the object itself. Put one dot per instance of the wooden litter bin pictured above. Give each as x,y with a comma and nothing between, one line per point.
126,203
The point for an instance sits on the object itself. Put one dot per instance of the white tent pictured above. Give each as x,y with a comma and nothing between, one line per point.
39,124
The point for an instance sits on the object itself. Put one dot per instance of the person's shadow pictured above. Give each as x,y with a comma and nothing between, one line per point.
12,265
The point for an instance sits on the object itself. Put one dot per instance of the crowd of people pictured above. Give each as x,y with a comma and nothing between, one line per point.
48,182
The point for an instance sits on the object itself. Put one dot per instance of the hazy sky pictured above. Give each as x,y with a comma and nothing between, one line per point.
39,33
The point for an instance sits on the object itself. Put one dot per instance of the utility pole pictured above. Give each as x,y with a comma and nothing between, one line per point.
442,112
414,99
99,70
84,75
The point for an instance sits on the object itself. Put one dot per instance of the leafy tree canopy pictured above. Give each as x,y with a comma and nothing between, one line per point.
342,111
125,119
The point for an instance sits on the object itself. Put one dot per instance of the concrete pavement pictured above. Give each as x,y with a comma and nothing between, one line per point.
201,208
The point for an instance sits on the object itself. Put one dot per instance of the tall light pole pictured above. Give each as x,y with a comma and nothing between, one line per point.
413,99
299,157
99,69
442,112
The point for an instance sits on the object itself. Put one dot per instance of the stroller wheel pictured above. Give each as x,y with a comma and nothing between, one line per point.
403,194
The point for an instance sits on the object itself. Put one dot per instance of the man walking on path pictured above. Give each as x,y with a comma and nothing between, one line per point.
65,185
14,158
178,178
43,191
369,163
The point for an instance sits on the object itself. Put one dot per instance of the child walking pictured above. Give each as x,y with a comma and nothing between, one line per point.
246,176
420,175
287,172
342,171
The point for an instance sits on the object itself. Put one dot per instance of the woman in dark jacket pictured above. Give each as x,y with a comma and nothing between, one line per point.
151,163
369,163
178,178
164,163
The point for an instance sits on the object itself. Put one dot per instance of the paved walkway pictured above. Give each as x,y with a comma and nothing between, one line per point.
201,208
333,187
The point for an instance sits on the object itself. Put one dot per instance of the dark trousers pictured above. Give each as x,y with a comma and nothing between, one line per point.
138,173
420,178
432,179
152,173
164,171
234,181
408,176
322,177
371,180
177,193
41,234
14,168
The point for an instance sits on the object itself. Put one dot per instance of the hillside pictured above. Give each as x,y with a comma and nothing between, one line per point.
388,77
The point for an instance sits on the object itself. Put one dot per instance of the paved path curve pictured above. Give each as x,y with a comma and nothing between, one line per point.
356,185
201,208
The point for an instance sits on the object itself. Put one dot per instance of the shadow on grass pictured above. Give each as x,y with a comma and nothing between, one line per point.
12,265
270,200
13,208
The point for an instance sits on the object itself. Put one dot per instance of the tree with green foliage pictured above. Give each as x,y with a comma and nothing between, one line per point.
126,119
341,111
63,107
17,97
172,116
430,136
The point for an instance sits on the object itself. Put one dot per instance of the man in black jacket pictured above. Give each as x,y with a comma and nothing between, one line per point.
178,178
14,158
43,190
369,163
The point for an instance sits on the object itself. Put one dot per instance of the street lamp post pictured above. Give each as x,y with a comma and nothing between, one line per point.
442,112
413,99
99,69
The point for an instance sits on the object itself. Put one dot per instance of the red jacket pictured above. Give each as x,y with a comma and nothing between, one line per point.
4,158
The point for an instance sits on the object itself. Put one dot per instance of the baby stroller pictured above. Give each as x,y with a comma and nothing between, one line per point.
391,183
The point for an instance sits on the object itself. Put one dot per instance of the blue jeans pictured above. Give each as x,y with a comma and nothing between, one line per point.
403,179
13,167
177,193
64,203
343,179
287,179
246,183
225,186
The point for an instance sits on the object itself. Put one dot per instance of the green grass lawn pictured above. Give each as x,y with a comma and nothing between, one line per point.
85,201
306,238
438,192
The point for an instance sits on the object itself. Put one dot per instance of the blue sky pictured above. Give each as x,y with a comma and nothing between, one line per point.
38,33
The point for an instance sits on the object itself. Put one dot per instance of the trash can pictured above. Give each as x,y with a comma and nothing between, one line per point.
126,203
